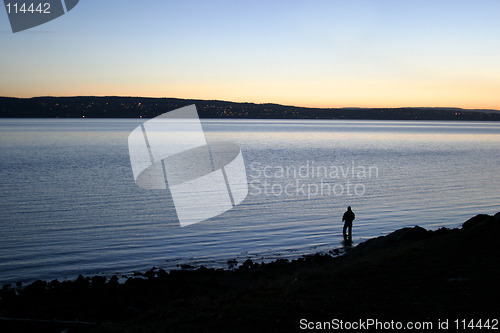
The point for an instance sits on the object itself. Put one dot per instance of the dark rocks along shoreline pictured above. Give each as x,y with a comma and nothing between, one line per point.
412,274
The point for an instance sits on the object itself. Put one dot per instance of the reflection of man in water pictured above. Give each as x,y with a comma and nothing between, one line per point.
348,218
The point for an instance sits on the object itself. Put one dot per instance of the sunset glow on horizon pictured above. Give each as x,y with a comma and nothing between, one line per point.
309,53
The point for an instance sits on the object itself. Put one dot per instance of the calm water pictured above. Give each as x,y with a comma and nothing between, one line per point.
69,204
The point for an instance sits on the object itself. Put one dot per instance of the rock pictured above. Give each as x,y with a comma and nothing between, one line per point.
98,280
132,310
479,221
459,279
162,273
202,269
54,284
441,231
247,264
7,293
113,280
406,234
150,274
135,282
278,262
399,236
497,217
35,288
81,282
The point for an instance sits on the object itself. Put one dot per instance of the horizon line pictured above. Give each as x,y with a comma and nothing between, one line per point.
256,103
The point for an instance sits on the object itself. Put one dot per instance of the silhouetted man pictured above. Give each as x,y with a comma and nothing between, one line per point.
348,218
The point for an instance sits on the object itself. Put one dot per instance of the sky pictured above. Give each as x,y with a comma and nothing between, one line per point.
351,53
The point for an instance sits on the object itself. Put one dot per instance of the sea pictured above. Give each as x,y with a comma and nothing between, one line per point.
69,203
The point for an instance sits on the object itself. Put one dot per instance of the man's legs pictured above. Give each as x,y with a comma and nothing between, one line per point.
347,225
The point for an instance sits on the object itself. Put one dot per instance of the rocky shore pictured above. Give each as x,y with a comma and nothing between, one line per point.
412,274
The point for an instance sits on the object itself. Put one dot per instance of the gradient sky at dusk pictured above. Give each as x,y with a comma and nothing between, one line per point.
310,53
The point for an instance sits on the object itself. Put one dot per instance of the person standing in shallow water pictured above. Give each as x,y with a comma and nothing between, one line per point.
347,219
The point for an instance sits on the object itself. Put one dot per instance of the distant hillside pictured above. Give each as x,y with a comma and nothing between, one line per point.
135,107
